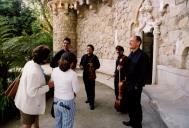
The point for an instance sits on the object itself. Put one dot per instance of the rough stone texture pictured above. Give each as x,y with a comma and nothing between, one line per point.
64,25
104,29
107,26
176,24
110,26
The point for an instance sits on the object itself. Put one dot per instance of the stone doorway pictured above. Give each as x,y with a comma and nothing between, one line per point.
147,46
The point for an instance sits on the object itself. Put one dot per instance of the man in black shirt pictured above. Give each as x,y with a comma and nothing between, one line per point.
136,79
89,63
66,48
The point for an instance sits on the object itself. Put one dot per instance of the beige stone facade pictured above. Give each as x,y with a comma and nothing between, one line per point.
64,23
107,25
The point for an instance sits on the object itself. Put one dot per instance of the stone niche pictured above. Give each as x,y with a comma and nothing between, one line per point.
185,58
182,48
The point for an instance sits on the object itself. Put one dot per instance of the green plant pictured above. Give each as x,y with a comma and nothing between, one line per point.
20,32
20,48
5,35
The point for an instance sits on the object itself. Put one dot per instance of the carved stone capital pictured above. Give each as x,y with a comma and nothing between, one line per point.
156,31
146,7
65,5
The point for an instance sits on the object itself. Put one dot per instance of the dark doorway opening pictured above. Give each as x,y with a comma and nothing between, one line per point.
147,47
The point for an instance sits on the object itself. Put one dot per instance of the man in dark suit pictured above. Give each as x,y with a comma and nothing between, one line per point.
136,75
89,63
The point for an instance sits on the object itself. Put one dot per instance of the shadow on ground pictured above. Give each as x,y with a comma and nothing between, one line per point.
104,115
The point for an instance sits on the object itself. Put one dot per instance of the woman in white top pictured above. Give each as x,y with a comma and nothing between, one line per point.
30,98
66,86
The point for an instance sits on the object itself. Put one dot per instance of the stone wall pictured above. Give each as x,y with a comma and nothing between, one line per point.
105,29
108,26
64,25
174,31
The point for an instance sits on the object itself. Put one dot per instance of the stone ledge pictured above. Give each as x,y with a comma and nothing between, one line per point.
180,72
177,79
171,105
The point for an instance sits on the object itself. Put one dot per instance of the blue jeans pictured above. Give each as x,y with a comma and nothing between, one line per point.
64,111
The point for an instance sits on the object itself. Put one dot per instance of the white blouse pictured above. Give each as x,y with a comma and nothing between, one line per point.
65,83
30,97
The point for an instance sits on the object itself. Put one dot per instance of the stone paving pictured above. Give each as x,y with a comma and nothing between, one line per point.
104,115
171,104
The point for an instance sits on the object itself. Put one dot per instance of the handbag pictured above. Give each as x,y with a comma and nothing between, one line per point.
12,88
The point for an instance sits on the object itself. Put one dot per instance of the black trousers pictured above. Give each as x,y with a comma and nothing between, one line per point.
134,107
116,89
90,90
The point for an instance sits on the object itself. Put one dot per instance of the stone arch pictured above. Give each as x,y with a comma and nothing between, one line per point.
185,58
145,22
182,48
134,22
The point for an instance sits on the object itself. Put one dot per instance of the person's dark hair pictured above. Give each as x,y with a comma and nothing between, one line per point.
119,48
40,54
138,38
66,61
91,46
67,39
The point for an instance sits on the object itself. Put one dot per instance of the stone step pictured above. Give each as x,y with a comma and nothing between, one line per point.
172,105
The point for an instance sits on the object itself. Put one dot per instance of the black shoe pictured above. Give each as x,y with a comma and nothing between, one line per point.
127,123
91,107
86,101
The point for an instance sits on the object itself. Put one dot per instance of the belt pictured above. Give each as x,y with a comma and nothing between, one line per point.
62,105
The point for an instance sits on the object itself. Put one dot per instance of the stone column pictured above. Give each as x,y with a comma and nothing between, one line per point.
155,51
64,23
